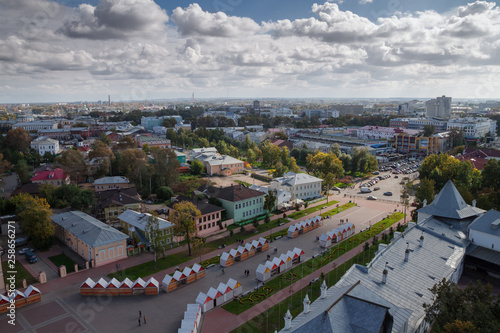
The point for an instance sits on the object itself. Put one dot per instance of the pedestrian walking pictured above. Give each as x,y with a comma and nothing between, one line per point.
144,319
140,314
139,321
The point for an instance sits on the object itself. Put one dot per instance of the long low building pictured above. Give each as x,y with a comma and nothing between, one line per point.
90,238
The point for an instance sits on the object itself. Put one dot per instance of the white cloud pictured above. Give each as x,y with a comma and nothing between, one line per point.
364,2
90,51
194,21
117,19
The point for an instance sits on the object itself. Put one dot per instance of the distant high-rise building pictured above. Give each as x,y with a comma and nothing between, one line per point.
256,104
439,107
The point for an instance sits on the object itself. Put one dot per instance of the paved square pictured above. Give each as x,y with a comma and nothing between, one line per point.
43,312
68,324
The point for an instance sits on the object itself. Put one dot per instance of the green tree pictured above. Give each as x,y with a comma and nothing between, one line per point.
429,130
459,326
34,214
18,139
490,176
164,193
146,149
104,138
156,237
184,216
321,164
72,162
197,167
474,304
362,161
405,196
23,171
270,200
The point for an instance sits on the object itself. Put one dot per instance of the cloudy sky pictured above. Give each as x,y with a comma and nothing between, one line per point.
72,50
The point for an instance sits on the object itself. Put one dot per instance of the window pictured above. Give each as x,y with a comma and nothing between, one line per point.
204,219
213,224
204,226
200,228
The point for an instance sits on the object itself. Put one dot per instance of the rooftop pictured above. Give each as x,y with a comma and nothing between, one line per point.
50,174
292,178
231,193
203,206
140,220
111,180
88,229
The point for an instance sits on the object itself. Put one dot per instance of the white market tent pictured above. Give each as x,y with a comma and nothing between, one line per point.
263,273
216,296
226,291
205,302
235,286
226,259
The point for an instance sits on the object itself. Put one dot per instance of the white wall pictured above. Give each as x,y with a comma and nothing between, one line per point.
485,240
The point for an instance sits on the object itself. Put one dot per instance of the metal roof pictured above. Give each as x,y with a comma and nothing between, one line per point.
292,178
486,222
140,220
450,204
111,180
88,229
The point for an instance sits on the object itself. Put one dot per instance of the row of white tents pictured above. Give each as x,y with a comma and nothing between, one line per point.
278,264
186,276
20,299
220,295
116,288
336,235
244,252
191,321
304,226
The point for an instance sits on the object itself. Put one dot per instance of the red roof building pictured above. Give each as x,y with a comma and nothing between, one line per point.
55,177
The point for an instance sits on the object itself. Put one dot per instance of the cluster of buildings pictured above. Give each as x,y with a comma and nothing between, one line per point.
387,295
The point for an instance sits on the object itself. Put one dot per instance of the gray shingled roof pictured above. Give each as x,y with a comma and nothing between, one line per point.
450,204
88,229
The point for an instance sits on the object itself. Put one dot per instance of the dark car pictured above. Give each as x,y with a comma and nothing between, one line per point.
388,193
30,257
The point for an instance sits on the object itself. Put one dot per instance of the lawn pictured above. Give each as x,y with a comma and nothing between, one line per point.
272,319
62,259
310,210
148,268
243,183
21,274
338,209
299,271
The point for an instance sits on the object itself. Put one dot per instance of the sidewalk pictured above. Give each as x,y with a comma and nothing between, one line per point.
212,320
101,271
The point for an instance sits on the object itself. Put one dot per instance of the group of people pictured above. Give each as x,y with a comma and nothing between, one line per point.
140,316
247,272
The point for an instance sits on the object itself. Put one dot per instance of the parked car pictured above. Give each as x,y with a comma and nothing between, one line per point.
376,188
30,257
388,193
371,197
23,251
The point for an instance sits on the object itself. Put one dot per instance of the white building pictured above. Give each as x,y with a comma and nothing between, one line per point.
439,107
379,132
283,198
45,144
473,127
36,125
300,185
281,112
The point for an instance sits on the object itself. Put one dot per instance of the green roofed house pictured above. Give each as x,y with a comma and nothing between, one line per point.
92,239
240,202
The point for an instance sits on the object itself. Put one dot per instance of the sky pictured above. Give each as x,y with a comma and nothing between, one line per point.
72,50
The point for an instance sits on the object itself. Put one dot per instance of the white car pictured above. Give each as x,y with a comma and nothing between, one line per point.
22,251
371,197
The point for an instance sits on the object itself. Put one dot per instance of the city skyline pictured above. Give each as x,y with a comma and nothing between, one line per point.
144,50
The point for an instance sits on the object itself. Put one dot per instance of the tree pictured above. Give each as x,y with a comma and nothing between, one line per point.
184,216
405,197
474,304
429,130
165,166
104,138
146,149
34,214
270,200
459,326
72,162
67,196
23,171
362,161
322,164
169,122
457,137
18,139
328,182
197,167
164,193
490,175
126,143
4,164
156,237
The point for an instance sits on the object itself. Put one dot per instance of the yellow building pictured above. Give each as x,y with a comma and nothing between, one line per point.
92,239
423,145
112,203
